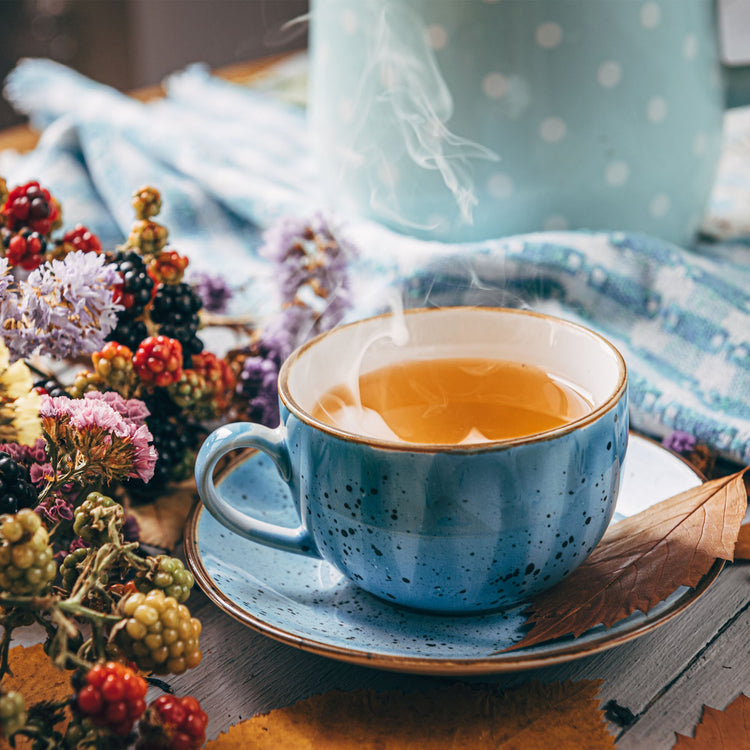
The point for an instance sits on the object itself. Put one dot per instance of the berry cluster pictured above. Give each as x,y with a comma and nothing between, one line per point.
12,712
113,696
95,515
168,574
26,560
16,490
158,633
173,724
28,214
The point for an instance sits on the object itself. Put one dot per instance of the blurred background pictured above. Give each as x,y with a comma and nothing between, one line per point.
133,43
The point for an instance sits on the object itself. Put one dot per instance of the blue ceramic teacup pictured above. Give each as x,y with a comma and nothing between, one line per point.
443,528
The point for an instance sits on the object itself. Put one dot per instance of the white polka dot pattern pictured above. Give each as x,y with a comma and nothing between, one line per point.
437,36
552,129
650,15
500,185
656,109
609,74
495,85
554,95
549,35
617,173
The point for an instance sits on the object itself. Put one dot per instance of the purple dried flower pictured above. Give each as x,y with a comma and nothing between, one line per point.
131,530
680,442
55,509
26,454
64,308
310,256
214,291
257,383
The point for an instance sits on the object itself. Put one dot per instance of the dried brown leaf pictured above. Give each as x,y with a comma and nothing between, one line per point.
720,730
162,522
642,560
742,548
37,679
565,716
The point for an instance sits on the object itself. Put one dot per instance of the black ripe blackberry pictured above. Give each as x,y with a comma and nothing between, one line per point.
175,311
51,387
128,332
16,490
137,286
172,444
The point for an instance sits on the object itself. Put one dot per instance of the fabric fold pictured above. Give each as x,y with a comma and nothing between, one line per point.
229,161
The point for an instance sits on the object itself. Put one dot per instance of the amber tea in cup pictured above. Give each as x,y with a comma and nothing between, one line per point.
448,512
452,401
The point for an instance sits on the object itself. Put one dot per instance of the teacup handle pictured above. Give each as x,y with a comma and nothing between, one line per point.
235,436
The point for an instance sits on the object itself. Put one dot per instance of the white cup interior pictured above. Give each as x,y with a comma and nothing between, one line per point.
566,350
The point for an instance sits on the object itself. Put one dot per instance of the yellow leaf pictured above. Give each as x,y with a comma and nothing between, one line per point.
37,679
721,730
535,716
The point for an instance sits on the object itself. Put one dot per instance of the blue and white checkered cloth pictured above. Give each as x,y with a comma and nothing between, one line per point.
230,160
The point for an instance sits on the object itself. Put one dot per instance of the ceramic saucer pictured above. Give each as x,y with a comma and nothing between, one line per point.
306,603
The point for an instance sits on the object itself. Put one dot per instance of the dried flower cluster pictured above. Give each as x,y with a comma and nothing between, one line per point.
70,558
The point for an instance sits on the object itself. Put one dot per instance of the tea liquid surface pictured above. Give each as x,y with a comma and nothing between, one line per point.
453,401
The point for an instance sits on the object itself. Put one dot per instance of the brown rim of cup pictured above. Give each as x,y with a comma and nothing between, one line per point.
537,437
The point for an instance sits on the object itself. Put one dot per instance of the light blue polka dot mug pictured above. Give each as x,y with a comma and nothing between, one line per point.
467,119
443,528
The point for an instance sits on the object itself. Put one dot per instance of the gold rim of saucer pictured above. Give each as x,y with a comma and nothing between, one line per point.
538,437
546,654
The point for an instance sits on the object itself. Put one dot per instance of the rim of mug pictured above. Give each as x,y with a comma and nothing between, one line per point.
536,437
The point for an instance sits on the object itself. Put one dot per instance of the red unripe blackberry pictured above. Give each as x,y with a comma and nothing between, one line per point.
30,206
16,490
135,290
114,696
173,723
80,238
25,248
168,267
158,360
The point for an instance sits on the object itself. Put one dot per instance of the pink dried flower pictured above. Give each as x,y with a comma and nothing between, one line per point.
94,442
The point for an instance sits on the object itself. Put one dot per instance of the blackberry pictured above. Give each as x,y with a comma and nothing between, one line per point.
172,444
114,696
95,516
158,633
137,287
50,387
24,248
31,206
175,310
16,490
26,564
128,332
173,723
166,573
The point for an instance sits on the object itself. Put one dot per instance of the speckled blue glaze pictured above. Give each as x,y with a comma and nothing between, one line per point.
449,529
305,601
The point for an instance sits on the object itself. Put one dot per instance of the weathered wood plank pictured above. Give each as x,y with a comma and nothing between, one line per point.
715,678
245,673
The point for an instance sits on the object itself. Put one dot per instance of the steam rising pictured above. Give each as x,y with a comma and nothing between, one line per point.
403,85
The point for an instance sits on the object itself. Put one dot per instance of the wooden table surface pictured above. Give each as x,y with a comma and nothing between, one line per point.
662,679
659,681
